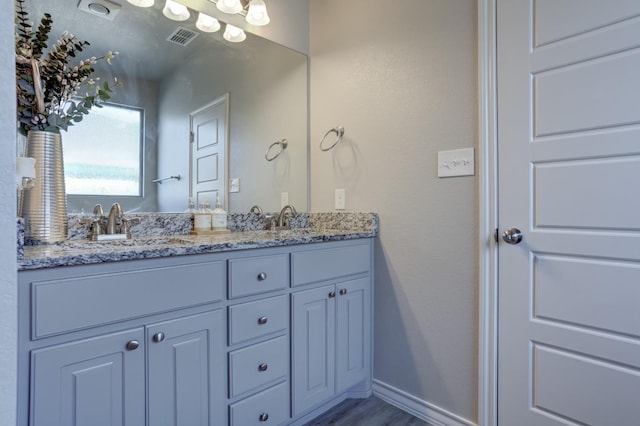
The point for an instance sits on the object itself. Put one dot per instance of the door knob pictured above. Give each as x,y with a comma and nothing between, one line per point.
158,337
132,345
512,236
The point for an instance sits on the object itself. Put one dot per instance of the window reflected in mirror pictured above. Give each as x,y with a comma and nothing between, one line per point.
103,154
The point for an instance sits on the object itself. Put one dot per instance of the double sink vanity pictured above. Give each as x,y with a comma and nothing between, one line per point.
251,327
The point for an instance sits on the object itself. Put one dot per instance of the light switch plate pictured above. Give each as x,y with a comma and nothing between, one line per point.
457,162
234,185
341,199
284,199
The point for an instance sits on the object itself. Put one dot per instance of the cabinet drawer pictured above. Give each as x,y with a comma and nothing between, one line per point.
258,274
259,318
319,265
258,364
269,407
69,304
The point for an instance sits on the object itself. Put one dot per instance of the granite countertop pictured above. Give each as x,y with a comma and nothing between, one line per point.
329,227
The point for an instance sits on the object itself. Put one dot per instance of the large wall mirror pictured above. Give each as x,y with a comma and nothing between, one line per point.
263,86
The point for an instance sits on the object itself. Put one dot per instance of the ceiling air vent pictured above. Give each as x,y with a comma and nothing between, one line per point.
182,36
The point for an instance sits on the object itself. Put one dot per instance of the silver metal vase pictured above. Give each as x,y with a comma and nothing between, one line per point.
45,205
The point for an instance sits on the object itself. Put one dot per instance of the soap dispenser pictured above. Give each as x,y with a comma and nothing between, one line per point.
219,216
202,218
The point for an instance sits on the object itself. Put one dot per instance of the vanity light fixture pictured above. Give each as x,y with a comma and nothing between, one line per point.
257,13
141,3
175,11
229,6
207,23
234,34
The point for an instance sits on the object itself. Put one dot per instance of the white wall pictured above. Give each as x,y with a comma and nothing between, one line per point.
8,276
402,82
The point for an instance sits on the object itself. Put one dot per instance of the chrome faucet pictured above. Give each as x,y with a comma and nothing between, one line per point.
282,217
255,209
115,214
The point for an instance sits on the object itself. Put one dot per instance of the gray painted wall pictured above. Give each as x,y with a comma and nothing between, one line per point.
403,85
8,276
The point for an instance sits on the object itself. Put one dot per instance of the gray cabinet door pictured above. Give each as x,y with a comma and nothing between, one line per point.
353,333
92,382
313,347
186,371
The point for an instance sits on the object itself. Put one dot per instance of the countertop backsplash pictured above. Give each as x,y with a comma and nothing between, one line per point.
167,224
20,236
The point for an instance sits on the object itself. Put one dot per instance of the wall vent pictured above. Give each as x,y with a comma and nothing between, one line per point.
182,36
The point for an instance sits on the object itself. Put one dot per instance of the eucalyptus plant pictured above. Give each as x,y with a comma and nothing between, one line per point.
48,84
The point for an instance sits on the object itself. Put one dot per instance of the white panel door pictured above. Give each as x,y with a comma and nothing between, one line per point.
569,179
208,168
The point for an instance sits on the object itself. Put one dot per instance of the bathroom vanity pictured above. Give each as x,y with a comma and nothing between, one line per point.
263,329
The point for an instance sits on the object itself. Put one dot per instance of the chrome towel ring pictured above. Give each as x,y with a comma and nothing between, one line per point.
339,131
281,145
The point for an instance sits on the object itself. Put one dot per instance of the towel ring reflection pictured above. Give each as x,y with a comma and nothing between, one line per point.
281,144
339,131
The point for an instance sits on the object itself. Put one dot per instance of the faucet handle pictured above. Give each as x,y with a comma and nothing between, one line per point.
96,229
127,224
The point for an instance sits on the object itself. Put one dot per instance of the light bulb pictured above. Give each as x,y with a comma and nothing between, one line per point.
141,3
257,14
234,34
175,11
229,6
207,24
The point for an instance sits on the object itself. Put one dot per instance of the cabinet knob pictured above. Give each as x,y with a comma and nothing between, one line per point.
343,291
262,320
158,337
132,345
332,294
263,367
264,417
262,276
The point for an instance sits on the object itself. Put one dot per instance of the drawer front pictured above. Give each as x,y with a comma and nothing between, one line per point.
258,275
64,305
259,318
324,264
258,364
269,407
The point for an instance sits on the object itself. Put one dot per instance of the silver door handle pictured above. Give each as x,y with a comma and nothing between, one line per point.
512,236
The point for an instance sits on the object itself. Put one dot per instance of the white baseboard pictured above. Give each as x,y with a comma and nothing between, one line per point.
422,409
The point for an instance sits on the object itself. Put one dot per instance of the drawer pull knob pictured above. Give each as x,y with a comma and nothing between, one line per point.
263,367
332,294
132,345
264,417
343,291
158,337
262,276
262,320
